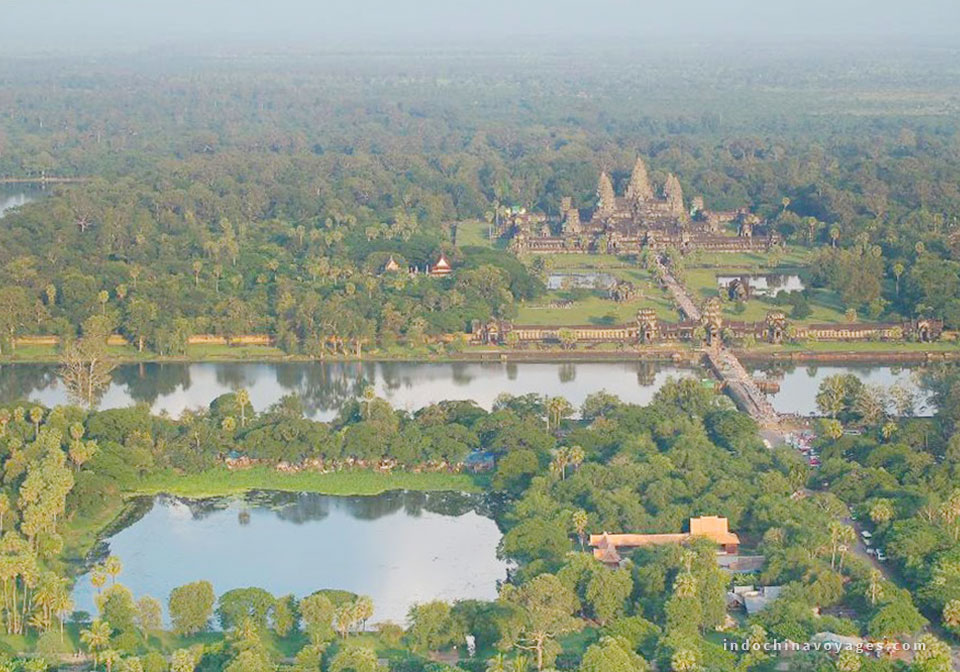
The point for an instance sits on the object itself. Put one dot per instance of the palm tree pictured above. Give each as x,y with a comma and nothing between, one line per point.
109,658
243,400
557,409
76,431
520,664
684,660
881,512
497,664
98,578
102,297
576,456
849,661
363,609
685,585
4,508
344,618
113,566
580,522
846,537
875,586
898,269
368,397
559,463
950,513
81,451
951,614
62,607
96,638
36,415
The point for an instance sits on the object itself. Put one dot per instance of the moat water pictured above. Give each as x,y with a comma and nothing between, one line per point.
325,388
399,548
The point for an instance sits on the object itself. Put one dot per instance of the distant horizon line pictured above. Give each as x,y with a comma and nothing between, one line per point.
503,46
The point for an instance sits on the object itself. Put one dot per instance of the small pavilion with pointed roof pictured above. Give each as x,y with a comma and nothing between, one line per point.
441,268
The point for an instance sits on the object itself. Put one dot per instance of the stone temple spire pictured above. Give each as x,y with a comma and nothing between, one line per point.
639,188
673,193
606,198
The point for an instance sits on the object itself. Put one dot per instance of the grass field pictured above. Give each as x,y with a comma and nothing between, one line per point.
595,309
473,232
859,346
221,481
792,259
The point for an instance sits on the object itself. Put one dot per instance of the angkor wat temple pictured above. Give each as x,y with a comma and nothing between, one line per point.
643,218
647,329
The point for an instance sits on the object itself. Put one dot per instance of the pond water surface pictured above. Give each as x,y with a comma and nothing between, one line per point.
591,280
765,285
399,548
14,198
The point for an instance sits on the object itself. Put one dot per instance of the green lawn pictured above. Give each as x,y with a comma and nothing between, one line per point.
221,481
569,261
859,346
595,309
792,259
473,232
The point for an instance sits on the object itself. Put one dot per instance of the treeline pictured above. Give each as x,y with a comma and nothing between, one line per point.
619,467
266,198
899,477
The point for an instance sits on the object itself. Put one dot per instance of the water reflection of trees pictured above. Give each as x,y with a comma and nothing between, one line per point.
236,376
19,381
306,507
145,383
199,508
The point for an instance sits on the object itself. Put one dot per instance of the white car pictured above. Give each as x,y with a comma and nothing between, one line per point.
881,556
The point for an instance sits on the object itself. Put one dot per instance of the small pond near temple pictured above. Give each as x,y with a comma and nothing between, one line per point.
587,280
765,285
399,548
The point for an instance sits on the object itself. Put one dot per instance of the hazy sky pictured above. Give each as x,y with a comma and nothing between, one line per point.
61,25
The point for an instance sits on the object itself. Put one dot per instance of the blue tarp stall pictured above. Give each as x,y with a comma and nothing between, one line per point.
479,461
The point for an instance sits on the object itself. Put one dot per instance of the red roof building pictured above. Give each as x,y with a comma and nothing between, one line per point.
441,268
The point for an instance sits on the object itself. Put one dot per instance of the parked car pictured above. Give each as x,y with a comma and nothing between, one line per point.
881,556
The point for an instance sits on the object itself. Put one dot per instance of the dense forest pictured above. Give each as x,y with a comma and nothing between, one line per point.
619,467
264,195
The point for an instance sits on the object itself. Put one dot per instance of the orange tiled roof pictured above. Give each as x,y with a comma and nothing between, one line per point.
714,528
